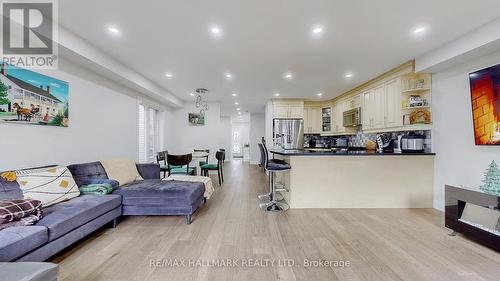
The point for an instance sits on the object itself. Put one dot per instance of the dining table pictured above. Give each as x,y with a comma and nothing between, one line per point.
199,156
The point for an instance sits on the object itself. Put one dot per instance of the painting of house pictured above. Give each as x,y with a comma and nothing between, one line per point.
27,97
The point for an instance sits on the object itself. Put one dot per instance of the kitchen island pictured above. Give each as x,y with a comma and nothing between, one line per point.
357,179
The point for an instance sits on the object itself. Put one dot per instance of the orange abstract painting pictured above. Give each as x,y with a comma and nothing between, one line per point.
485,93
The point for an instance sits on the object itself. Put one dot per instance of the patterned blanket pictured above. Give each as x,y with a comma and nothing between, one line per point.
19,212
209,187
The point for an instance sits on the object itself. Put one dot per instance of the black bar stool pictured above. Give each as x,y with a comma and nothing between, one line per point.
274,167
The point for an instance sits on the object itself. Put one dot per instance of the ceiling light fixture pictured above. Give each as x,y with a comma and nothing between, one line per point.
319,94
234,94
288,75
348,75
201,100
216,32
317,30
276,94
113,30
236,103
238,109
228,75
419,30
169,75
191,94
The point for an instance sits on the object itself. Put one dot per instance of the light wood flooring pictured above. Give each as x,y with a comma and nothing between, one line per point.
379,244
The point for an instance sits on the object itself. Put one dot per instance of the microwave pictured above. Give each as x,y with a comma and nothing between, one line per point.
352,118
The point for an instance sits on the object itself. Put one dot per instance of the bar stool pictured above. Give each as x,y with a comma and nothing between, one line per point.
273,167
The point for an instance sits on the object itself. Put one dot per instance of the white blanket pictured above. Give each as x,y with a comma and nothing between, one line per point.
209,187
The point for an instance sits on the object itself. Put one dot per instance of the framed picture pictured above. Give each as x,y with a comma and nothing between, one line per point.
485,97
196,119
27,97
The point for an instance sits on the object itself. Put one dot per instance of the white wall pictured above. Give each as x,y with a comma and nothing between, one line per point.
181,138
102,124
458,160
257,131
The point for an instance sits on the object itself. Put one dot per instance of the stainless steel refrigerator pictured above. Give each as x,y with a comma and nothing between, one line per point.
288,133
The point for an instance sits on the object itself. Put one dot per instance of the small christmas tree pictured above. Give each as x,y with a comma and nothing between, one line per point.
3,94
491,181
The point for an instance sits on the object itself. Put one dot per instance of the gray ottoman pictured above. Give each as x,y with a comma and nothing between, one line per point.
29,271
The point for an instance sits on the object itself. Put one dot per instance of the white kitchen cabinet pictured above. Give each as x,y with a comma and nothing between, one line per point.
367,109
288,109
393,104
312,120
373,110
379,107
338,116
296,110
352,102
326,119
280,110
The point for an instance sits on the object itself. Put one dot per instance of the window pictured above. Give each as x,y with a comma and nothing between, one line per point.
147,132
236,142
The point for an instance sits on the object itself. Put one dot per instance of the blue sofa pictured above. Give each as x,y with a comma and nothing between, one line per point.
65,223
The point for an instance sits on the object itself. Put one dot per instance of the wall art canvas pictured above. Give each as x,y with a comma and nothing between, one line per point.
28,97
485,94
196,119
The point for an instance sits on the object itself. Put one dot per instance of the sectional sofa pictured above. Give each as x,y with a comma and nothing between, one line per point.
65,223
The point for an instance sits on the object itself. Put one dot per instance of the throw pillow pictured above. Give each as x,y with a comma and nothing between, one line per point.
49,185
122,170
9,190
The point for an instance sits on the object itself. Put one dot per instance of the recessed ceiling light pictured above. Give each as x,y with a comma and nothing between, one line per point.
191,94
113,29
288,75
228,75
169,75
317,30
419,30
236,103
319,94
276,94
348,75
216,31
234,94
239,113
238,109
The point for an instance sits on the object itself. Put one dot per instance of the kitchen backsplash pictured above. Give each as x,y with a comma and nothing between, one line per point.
359,140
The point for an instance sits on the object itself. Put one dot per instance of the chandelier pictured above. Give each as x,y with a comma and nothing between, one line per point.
201,100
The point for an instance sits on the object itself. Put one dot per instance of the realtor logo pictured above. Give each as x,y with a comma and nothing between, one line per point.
29,30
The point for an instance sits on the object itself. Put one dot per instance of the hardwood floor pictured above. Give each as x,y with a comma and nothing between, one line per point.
379,244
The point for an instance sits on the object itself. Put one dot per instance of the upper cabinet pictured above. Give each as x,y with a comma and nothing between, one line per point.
338,116
312,119
352,102
388,105
382,107
326,119
288,109
393,116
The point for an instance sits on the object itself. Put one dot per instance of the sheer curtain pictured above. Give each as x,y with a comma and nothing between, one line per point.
147,132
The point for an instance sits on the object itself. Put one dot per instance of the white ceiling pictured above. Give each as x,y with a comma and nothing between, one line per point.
263,39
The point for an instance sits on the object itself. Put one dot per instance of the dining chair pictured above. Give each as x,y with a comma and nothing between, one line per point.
219,155
203,151
223,150
161,159
179,164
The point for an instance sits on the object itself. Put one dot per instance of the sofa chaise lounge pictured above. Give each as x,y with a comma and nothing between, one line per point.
65,223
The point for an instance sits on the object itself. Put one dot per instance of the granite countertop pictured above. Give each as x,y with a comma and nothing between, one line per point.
343,153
